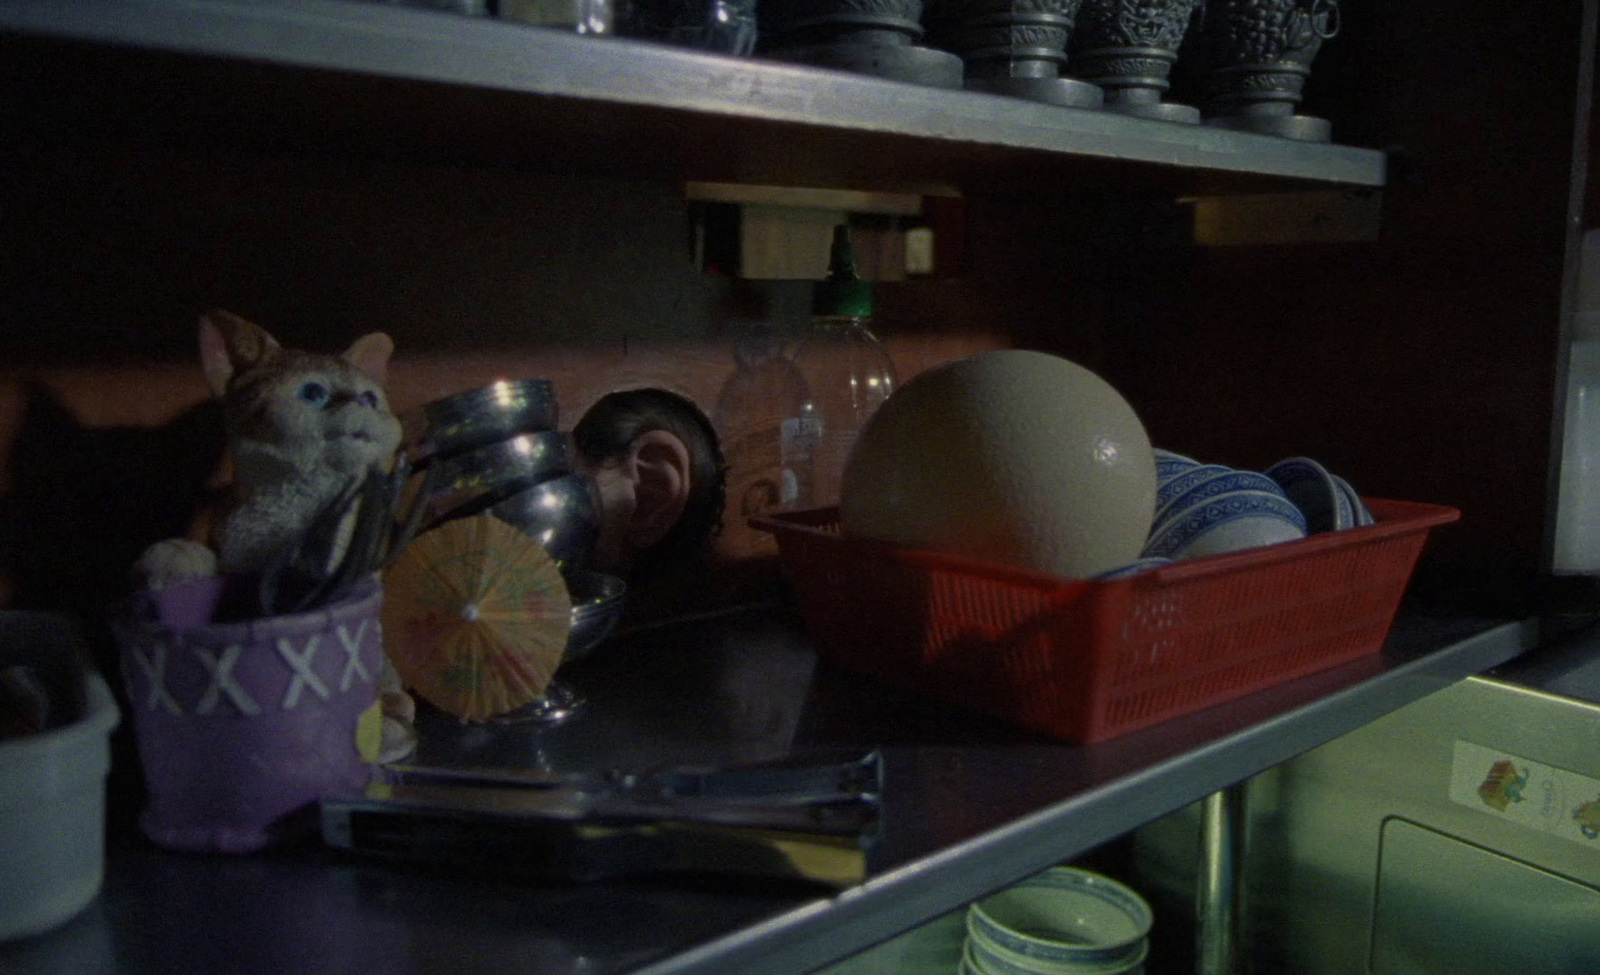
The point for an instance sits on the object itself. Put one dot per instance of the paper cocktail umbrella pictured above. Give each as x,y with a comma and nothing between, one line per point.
475,617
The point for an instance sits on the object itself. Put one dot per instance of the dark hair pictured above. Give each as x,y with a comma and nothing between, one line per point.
610,427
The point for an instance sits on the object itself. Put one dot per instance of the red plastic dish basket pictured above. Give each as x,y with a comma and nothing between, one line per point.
1090,660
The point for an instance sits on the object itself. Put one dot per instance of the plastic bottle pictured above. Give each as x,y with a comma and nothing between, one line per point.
847,374
748,416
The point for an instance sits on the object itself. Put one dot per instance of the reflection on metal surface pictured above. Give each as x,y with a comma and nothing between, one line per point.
1444,905
799,820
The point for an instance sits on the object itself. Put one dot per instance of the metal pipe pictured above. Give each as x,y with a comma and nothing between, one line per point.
1218,891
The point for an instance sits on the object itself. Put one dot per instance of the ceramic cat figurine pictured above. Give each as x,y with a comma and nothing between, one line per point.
300,426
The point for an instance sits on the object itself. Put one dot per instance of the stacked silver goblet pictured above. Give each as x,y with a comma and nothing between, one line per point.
497,450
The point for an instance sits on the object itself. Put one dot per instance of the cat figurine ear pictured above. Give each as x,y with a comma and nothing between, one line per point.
370,353
230,344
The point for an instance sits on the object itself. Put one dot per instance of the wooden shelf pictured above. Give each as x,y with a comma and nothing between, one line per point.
367,78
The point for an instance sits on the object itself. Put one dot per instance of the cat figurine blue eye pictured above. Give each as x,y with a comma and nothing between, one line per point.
317,394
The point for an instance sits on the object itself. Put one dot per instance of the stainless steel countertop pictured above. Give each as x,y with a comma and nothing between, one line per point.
970,805
1567,665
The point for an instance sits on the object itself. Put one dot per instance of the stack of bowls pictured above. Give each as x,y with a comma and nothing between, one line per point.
1327,500
497,450
1208,509
1065,921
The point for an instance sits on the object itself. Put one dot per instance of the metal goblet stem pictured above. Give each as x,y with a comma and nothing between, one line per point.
597,603
1014,47
876,37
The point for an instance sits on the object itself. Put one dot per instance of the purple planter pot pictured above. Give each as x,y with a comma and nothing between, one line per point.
241,726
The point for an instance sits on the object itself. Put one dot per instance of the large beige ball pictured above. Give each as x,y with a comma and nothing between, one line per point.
1012,456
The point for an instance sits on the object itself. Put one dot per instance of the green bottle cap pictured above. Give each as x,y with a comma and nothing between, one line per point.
842,294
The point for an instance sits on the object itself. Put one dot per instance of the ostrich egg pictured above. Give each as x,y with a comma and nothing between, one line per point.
1013,456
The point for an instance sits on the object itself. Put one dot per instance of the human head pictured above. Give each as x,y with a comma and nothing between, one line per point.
655,458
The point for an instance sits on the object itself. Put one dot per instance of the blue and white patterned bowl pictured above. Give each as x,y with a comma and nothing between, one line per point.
1201,486
1169,464
1314,491
984,957
1363,515
1134,568
1227,522
1065,919
1180,484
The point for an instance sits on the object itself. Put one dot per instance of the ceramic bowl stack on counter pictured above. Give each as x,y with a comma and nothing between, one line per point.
1209,509
1065,921
1327,500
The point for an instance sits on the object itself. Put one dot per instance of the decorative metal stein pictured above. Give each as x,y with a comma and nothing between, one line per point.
1013,47
1128,47
876,37
1258,56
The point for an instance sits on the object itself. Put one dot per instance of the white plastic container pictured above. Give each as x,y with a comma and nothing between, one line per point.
52,818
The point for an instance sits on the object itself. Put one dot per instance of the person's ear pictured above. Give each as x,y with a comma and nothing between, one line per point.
661,484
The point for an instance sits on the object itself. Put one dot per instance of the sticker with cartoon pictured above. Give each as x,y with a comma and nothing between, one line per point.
1503,785
1532,794
1588,817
